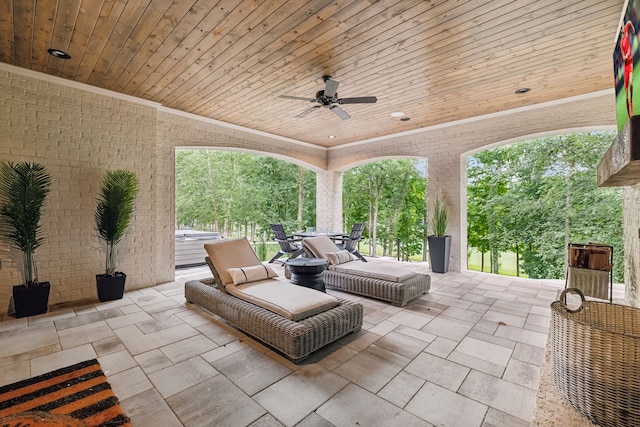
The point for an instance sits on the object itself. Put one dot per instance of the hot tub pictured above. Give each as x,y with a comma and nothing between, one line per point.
190,247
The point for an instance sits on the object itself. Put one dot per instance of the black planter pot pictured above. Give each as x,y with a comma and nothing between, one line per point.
439,252
31,301
110,287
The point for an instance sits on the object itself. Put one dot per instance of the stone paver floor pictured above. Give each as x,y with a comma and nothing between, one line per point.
466,354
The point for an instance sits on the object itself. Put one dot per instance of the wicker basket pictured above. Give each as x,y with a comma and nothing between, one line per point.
596,359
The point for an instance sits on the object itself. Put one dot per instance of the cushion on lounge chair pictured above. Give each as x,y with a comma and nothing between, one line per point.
323,247
251,274
290,301
339,257
374,271
319,246
236,253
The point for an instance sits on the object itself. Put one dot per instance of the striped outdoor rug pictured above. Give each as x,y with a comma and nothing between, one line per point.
77,395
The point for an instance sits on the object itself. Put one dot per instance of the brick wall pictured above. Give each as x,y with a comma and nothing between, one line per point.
77,135
78,132
189,131
631,227
329,201
446,146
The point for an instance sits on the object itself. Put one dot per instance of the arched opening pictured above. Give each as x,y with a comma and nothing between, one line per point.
527,200
389,196
224,194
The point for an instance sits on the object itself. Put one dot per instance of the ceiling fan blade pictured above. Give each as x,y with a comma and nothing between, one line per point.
299,98
307,111
330,88
339,112
358,100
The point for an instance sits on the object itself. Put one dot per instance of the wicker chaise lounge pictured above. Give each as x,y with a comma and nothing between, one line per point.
298,320
394,284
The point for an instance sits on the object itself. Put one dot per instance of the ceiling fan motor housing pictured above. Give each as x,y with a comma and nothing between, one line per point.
324,100
327,101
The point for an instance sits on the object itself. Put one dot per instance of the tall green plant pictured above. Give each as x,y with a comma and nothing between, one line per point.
114,210
261,249
440,217
23,190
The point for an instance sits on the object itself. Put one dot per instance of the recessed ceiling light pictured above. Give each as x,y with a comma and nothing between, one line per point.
59,53
332,137
405,119
523,90
397,114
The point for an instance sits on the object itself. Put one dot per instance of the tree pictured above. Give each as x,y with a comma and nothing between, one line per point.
239,193
534,197
488,180
389,196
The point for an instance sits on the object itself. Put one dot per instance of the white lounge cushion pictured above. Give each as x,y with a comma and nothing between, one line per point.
319,246
374,271
339,257
290,301
251,274
233,253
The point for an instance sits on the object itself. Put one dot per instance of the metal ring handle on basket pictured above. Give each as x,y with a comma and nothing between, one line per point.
563,299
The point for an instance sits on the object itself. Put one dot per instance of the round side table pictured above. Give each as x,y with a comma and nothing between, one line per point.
307,272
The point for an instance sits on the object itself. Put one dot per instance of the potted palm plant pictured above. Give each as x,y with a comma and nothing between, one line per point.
113,215
23,191
439,241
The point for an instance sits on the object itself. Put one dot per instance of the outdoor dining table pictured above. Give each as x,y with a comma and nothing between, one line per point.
304,234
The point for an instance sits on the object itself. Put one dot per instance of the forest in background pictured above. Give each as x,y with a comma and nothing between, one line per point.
239,194
535,197
531,198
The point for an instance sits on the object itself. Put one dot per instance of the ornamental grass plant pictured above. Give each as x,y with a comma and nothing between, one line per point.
440,217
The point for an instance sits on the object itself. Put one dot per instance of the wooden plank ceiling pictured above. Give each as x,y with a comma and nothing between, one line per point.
230,60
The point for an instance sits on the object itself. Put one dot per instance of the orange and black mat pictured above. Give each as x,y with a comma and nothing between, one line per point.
78,395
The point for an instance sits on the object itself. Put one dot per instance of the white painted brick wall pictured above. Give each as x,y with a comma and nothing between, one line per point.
329,201
631,229
78,134
446,148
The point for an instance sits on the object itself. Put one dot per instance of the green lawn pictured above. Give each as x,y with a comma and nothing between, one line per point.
507,259
272,249
507,263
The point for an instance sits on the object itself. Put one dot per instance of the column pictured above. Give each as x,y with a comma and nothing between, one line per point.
447,176
329,200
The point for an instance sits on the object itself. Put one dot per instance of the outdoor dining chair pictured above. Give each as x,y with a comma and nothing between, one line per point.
350,242
288,243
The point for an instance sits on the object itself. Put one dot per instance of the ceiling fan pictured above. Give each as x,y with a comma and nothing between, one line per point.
329,97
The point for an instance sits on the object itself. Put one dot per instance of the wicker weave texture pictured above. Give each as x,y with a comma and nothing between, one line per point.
397,293
596,361
296,340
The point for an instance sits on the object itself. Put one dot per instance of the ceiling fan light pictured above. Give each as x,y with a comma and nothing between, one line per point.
397,114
